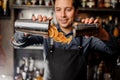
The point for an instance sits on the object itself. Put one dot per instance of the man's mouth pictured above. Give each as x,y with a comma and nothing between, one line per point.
63,21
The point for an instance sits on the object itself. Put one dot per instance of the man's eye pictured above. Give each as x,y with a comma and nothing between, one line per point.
57,9
68,9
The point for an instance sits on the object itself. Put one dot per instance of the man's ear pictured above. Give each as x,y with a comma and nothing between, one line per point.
76,12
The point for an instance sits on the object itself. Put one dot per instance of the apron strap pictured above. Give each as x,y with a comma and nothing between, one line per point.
51,46
81,42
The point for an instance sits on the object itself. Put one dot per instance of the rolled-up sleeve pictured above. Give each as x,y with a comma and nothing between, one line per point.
101,46
24,41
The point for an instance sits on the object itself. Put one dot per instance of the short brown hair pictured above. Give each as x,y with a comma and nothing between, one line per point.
75,3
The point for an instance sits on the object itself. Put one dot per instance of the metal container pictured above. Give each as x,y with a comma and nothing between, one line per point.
32,27
82,29
41,28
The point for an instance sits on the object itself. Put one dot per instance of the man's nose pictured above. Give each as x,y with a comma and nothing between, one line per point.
63,14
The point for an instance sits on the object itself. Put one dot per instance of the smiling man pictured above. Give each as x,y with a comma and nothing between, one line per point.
66,61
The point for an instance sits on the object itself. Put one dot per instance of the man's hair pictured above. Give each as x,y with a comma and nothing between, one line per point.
76,3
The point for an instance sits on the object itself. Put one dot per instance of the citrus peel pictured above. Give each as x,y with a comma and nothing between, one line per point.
58,36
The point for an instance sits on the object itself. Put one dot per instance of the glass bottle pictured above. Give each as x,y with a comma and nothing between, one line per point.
91,3
43,2
1,9
116,30
107,3
6,8
50,3
18,75
110,24
19,2
83,3
33,2
113,3
100,4
38,76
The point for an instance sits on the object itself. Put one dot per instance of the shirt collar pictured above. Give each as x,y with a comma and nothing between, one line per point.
69,34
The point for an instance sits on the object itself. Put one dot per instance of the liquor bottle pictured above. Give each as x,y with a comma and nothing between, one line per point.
107,3
113,3
50,3
24,75
33,2
6,8
1,9
100,4
104,25
116,30
38,76
22,63
100,71
91,3
24,2
29,2
37,2
31,64
43,2
110,24
19,2
18,75
83,3
118,61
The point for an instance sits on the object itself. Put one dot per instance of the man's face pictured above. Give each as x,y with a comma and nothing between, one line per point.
65,12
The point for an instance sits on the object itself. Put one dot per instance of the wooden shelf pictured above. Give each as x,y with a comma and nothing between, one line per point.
5,17
100,9
80,9
29,6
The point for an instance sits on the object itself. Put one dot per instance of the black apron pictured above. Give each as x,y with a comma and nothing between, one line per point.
67,64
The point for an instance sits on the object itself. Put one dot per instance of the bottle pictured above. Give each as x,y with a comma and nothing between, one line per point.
33,2
104,25
91,3
22,63
50,3
43,2
18,75
24,2
100,4
83,3
1,9
38,76
19,2
107,3
113,3
110,24
37,2
116,30
6,8
100,71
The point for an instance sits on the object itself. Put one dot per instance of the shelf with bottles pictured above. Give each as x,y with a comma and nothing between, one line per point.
99,9
29,6
28,69
32,4
103,4
27,63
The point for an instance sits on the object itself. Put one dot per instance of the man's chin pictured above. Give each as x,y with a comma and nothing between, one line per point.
63,25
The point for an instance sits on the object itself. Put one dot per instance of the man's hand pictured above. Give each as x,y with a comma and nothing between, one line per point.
102,34
41,18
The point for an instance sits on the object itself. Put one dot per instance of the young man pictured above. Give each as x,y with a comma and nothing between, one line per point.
67,61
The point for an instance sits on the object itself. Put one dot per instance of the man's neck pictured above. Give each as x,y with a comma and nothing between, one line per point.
67,30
